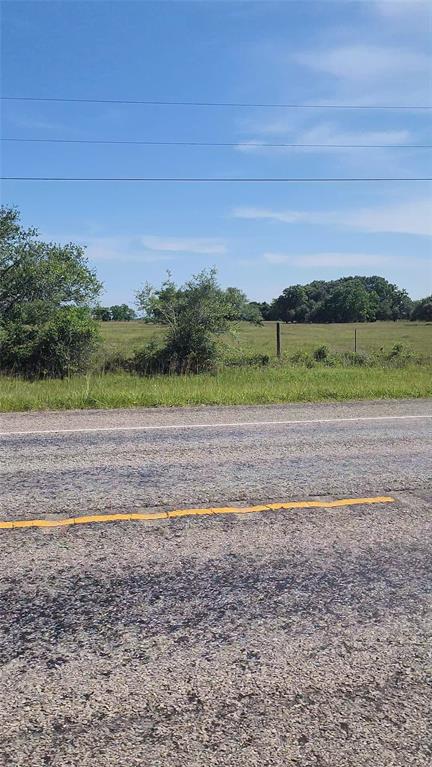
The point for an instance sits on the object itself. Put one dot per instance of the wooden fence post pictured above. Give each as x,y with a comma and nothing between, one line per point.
278,339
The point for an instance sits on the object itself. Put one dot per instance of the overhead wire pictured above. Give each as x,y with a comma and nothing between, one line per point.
234,144
239,104
225,179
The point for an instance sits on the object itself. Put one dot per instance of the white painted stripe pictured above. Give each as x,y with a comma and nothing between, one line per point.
215,425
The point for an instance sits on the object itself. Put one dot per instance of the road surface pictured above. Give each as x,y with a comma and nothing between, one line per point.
282,637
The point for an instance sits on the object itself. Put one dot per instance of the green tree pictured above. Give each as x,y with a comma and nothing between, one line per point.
349,299
122,313
292,305
423,310
194,315
349,302
241,307
102,313
266,310
45,293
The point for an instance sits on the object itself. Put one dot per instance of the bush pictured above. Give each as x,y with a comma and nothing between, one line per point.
356,359
400,355
321,353
117,361
152,359
60,347
195,316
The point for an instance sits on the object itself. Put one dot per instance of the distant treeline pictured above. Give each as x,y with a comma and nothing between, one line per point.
117,312
349,299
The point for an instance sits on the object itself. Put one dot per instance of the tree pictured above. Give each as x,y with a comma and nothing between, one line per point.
349,299
347,303
292,304
45,293
423,310
102,313
266,310
122,313
39,275
241,307
194,315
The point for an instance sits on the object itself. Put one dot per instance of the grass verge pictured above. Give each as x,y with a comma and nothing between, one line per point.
231,386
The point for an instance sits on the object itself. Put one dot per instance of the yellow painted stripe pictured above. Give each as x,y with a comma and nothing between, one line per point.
178,513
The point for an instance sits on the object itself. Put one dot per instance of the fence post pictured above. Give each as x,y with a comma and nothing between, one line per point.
355,340
278,339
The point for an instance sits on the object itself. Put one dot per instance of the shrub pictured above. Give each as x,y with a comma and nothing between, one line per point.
195,315
153,359
399,355
57,348
117,361
357,359
321,353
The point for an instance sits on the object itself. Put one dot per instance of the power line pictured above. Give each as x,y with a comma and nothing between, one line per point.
246,144
160,179
152,102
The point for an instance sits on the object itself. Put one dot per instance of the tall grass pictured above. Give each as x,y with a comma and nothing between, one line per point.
231,386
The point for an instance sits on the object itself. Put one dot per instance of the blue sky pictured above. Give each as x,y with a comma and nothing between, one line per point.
260,237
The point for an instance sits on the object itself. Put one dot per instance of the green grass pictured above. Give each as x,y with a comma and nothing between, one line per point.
240,386
232,386
126,336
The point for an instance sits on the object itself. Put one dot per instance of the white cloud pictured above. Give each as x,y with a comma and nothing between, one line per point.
286,216
367,74
364,62
125,249
142,248
408,217
326,260
198,245
328,134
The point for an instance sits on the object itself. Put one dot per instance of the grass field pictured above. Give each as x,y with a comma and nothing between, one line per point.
125,336
276,383
232,386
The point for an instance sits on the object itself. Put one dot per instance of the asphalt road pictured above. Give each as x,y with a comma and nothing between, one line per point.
122,460
280,638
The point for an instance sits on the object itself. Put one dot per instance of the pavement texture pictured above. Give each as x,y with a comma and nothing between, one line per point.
287,638
80,471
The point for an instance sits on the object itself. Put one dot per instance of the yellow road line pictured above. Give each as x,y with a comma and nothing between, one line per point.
178,513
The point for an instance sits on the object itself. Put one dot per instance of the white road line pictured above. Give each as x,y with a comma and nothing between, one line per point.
216,425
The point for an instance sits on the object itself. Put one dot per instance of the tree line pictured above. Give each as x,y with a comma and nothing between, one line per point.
115,313
49,309
349,299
